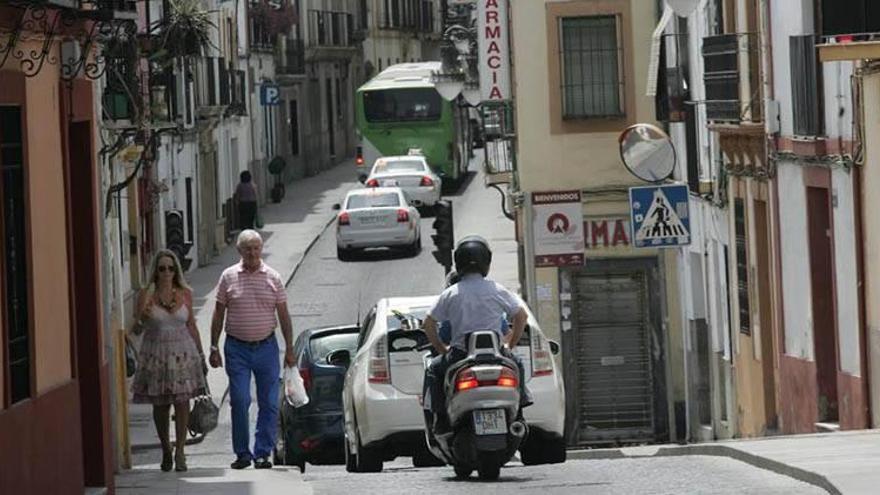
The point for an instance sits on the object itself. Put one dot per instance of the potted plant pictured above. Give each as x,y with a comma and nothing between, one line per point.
276,168
185,30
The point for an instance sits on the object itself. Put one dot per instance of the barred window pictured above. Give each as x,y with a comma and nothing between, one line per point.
591,56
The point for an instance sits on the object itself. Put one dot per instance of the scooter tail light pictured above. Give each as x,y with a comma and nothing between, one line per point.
542,361
507,379
379,371
466,380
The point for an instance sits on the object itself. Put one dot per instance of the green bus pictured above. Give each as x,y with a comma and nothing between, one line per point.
400,110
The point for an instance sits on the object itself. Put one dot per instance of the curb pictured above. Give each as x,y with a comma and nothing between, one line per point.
306,252
717,451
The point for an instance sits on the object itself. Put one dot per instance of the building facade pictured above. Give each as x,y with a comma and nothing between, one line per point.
55,371
613,307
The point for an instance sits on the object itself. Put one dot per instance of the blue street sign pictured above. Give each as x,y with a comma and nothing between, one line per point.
660,216
270,95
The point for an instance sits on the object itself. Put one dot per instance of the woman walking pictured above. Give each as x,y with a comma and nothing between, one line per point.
246,198
171,366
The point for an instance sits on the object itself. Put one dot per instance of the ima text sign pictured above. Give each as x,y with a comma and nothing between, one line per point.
607,233
660,216
494,57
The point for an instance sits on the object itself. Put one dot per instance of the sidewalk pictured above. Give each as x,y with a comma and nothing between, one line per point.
213,481
842,463
291,227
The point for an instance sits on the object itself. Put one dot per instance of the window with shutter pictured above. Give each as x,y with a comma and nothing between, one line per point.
591,53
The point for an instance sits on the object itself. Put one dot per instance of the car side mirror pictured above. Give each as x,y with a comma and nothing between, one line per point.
340,357
362,178
337,206
554,347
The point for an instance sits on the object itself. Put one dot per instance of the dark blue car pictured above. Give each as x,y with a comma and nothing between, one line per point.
313,433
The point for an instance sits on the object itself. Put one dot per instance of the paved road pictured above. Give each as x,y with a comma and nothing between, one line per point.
326,291
662,475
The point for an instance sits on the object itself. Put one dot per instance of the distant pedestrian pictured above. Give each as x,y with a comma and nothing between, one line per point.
249,295
171,365
246,201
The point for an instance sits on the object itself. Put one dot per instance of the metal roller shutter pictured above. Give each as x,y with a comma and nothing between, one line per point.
614,375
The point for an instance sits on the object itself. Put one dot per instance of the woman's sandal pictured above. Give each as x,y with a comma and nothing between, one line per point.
180,461
167,463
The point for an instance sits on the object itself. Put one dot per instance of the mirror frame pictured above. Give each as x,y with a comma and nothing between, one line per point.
622,137
338,352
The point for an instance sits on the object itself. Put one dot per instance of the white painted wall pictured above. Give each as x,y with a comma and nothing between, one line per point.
838,99
797,294
788,18
847,277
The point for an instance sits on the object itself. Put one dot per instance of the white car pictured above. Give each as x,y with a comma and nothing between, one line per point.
411,173
383,386
377,217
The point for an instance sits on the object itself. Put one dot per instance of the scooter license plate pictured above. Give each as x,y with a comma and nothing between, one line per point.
490,422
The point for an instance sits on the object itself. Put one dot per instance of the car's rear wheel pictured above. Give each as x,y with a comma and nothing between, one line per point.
343,254
415,248
489,471
463,472
368,460
537,450
350,461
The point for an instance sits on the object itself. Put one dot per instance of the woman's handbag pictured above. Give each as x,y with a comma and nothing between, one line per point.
131,360
203,416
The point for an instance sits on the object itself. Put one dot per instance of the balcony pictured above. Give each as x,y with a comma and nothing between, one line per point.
725,98
292,60
106,9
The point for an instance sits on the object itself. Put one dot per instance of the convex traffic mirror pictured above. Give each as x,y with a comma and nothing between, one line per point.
647,152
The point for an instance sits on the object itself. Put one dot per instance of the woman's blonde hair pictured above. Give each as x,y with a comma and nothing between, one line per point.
178,281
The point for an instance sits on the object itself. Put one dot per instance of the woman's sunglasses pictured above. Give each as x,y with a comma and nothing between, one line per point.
163,269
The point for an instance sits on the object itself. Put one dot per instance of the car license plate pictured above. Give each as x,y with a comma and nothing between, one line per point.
370,220
490,422
390,183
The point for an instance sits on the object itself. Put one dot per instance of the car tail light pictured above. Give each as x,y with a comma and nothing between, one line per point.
309,444
467,380
344,219
379,371
402,215
372,183
542,360
306,375
426,182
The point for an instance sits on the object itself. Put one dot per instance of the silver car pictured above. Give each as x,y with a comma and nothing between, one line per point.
411,173
377,217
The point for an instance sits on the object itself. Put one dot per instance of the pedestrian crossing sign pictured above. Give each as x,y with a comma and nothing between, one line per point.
660,216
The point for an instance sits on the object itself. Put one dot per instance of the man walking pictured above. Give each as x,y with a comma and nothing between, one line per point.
249,295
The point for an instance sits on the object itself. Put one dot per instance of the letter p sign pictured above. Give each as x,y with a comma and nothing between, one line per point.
270,96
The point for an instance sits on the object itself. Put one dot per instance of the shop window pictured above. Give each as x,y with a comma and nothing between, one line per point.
591,55
13,211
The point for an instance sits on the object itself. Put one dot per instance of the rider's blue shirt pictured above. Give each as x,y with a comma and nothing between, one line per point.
474,303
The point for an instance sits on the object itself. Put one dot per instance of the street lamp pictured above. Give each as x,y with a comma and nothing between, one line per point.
472,93
449,85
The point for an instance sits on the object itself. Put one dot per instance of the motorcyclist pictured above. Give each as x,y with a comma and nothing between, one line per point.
474,303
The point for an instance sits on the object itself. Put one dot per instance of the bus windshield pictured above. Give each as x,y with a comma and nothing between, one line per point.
402,105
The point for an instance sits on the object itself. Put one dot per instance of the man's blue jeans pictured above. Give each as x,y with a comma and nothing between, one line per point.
261,360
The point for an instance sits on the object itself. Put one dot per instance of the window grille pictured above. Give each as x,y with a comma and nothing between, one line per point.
591,56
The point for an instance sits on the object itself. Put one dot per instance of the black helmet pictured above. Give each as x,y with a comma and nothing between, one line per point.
472,255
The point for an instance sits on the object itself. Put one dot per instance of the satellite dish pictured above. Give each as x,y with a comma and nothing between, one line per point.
647,152
683,8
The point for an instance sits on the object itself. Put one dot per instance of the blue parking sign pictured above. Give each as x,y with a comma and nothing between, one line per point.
660,216
270,95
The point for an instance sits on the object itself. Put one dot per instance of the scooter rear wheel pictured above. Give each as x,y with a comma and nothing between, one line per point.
463,472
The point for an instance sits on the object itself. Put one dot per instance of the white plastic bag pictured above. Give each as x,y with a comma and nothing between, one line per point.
294,389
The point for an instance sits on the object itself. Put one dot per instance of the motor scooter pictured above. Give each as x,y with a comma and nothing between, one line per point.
483,409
